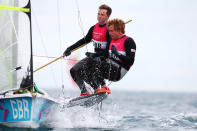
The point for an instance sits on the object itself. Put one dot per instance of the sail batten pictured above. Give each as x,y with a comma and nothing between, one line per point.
15,8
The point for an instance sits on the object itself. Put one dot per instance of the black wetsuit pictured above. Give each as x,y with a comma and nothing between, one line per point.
114,70
81,71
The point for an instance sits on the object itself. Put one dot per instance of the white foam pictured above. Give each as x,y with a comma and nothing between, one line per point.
80,117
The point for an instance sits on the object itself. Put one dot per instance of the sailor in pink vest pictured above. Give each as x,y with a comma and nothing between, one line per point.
99,35
121,51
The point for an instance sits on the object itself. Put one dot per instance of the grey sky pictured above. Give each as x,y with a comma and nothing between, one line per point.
164,32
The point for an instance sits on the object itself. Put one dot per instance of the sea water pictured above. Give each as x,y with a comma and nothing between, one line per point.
126,111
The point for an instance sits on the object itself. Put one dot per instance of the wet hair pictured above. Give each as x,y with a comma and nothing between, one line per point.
119,25
106,7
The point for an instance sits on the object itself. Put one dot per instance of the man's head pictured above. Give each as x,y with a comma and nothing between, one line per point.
104,13
116,28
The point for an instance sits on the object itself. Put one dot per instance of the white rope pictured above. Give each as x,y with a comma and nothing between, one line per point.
80,23
60,43
79,18
15,32
2,29
11,45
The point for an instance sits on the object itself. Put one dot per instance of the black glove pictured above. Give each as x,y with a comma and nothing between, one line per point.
89,54
114,50
67,52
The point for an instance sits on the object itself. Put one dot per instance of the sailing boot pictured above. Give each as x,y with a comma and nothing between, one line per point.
103,89
84,91
85,94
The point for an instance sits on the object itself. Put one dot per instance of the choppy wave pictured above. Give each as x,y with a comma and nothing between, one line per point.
130,111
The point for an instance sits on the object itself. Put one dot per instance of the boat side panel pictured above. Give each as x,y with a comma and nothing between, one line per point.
41,109
15,109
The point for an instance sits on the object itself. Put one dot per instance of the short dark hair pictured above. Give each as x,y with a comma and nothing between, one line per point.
119,25
106,7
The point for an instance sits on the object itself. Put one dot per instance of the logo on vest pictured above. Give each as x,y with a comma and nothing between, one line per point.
96,36
97,33
115,43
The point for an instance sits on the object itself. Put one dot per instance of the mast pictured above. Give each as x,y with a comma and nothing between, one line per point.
31,47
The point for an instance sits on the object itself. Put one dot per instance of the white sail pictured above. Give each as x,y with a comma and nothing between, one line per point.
15,43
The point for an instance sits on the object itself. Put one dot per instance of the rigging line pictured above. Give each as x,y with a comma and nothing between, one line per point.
60,42
16,35
127,22
11,45
79,18
42,42
52,57
80,23
15,32
70,59
48,63
81,27
44,56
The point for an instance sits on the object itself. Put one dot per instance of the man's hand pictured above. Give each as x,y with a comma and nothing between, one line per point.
114,50
67,52
89,54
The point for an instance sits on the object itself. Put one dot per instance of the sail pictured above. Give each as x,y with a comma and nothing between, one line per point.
15,43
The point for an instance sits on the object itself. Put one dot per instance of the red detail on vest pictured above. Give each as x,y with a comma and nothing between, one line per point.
119,44
99,33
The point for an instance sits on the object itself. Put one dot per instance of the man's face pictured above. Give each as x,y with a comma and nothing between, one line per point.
113,33
102,16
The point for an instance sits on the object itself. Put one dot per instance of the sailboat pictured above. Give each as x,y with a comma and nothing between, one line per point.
22,104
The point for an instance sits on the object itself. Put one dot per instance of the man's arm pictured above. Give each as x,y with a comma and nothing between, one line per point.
82,41
130,48
106,54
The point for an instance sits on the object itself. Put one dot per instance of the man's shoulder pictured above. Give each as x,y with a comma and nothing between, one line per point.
129,41
128,38
92,27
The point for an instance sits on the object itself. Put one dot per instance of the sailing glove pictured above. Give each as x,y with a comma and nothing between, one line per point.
114,50
67,52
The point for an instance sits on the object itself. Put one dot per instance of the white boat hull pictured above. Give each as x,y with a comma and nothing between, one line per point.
25,110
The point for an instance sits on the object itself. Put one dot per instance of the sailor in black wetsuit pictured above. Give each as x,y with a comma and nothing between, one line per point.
121,54
100,37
